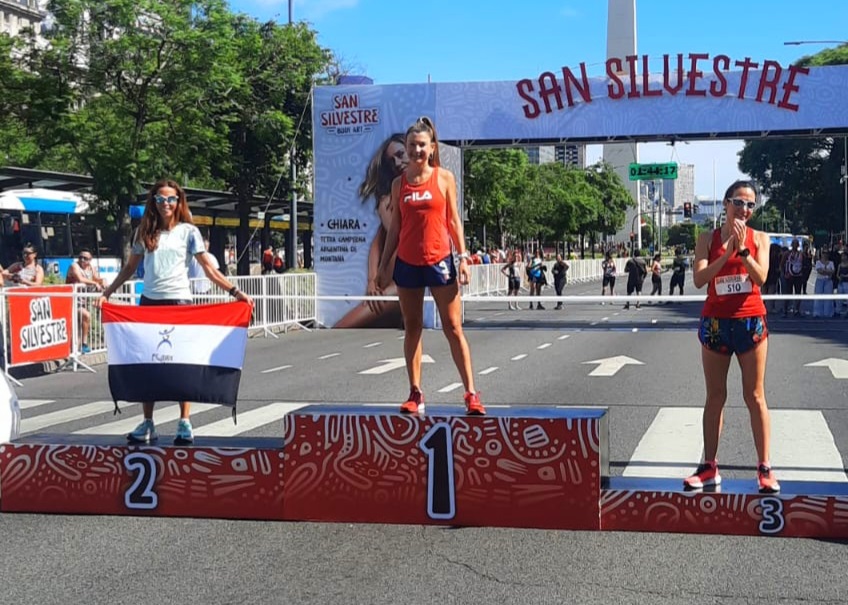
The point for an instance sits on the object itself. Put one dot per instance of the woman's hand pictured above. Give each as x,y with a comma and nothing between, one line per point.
243,297
464,273
375,306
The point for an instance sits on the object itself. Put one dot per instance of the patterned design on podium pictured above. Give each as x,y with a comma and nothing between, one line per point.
725,514
225,482
506,470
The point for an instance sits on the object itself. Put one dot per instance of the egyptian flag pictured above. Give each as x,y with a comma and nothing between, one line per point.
176,353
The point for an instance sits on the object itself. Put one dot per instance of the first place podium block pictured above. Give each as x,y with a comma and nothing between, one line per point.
529,467
75,474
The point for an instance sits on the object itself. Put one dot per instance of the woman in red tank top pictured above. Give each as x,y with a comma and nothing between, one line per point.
733,262
425,222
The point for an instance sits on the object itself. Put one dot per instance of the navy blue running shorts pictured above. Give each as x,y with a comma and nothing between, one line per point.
729,336
443,273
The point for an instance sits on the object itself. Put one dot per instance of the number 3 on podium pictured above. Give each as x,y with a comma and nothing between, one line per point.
437,443
140,495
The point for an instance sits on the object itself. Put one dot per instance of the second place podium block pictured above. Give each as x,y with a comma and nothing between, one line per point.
530,467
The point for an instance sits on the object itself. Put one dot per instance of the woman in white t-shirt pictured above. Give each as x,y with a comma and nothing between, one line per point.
166,241
824,285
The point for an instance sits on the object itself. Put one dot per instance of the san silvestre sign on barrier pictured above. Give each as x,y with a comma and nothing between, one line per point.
632,79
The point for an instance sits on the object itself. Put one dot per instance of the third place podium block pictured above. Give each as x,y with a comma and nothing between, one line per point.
534,467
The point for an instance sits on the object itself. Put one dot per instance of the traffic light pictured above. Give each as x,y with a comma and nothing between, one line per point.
687,209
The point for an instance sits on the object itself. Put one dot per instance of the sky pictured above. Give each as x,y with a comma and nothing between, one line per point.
396,42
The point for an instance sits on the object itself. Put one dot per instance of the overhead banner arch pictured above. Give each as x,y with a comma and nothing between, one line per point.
694,96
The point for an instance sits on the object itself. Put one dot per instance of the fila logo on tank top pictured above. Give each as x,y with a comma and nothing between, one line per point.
418,196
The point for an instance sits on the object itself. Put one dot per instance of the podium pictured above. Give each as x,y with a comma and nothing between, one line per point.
100,475
531,467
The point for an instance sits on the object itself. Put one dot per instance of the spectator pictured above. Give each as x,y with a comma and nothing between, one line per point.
609,269
84,273
793,270
510,269
636,269
678,271
656,276
267,259
824,285
559,272
842,278
28,272
197,275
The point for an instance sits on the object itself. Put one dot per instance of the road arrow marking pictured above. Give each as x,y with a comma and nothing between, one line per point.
838,367
611,365
387,365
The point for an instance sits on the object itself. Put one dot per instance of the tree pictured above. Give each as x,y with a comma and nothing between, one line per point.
127,86
265,114
801,177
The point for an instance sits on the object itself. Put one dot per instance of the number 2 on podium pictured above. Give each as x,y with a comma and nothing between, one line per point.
441,497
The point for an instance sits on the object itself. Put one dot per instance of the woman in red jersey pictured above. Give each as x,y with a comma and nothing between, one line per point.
425,229
734,262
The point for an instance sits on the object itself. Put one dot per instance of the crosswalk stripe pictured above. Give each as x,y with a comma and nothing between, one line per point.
28,404
671,447
803,448
77,412
247,421
451,387
125,425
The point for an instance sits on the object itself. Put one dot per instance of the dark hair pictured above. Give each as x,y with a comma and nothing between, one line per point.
678,250
380,173
148,230
743,184
425,125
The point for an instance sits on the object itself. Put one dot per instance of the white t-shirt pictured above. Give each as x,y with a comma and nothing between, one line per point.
166,268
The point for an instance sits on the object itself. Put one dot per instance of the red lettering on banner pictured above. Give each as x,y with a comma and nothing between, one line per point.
718,87
789,87
667,72
746,65
615,89
582,87
769,83
531,108
548,87
695,75
623,79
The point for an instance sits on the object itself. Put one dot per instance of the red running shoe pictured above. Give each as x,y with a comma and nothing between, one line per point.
473,407
705,476
414,404
766,480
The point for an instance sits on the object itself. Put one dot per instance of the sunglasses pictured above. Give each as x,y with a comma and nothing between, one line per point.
85,258
739,203
161,199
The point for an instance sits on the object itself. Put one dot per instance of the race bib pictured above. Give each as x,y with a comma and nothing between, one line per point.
733,284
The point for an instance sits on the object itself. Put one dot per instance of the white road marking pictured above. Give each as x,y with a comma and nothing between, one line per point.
28,404
519,357
77,412
611,365
387,365
451,387
372,345
249,420
160,417
278,369
564,336
671,447
544,346
803,448
330,356
488,370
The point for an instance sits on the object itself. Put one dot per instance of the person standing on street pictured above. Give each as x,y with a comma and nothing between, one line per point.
559,271
733,262
166,241
425,226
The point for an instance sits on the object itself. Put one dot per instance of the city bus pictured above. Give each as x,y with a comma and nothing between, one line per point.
58,225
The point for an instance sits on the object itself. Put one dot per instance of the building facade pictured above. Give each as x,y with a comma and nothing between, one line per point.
16,15
682,189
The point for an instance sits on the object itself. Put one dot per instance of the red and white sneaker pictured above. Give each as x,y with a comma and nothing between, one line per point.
706,475
767,481
473,407
414,404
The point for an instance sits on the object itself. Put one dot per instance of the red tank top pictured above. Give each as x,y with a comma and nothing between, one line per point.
732,293
424,236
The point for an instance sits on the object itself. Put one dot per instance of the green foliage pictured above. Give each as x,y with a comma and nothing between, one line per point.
550,202
683,234
801,177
